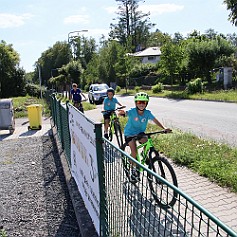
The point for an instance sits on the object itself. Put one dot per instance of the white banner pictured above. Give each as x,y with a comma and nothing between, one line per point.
84,162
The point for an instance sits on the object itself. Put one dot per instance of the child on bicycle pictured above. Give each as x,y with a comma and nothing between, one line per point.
76,95
136,125
109,104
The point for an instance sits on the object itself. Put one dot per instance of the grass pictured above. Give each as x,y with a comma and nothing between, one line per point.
3,233
220,95
215,161
20,105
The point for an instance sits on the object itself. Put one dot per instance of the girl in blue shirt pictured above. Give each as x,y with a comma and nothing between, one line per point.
109,104
138,118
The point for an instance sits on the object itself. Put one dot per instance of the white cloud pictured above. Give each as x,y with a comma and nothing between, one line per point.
11,20
74,19
111,10
158,9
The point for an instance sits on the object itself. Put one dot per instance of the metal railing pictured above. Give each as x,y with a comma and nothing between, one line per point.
132,210
128,209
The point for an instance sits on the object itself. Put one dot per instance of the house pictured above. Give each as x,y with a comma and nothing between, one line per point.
149,55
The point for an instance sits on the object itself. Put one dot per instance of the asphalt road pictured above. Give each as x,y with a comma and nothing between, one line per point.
211,120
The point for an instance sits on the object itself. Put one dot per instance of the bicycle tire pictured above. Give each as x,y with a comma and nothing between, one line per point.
118,133
110,134
163,194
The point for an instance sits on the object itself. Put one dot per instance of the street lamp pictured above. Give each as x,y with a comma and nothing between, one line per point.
40,80
72,36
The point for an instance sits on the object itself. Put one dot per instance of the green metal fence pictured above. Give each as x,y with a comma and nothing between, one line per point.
132,210
129,210
60,118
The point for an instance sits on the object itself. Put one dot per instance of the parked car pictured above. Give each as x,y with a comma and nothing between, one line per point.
97,93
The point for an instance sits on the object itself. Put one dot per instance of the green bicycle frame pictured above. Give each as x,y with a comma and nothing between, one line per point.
144,154
113,117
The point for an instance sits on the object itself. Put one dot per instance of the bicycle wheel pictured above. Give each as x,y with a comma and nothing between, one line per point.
164,195
110,134
118,133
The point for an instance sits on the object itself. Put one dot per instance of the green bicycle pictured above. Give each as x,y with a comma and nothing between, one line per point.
114,126
157,162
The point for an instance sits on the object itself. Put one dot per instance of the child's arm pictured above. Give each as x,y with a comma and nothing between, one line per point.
157,122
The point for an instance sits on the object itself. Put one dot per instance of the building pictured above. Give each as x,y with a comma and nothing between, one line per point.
149,55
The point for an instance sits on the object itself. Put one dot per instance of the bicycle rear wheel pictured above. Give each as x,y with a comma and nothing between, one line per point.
118,133
164,195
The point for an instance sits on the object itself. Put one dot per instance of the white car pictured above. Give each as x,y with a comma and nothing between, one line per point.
97,93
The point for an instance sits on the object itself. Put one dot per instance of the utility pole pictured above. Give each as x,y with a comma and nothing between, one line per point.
40,80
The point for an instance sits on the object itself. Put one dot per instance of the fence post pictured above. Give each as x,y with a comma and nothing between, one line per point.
101,175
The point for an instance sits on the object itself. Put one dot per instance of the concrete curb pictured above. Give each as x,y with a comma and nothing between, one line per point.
84,220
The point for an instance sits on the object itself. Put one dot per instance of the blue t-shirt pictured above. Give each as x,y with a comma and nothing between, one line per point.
110,104
137,123
76,95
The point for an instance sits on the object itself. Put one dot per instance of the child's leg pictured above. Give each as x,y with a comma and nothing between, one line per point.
106,125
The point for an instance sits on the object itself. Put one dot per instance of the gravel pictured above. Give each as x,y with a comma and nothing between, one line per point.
34,199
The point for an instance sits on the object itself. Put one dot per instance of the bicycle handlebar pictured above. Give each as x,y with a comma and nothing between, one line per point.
138,137
113,110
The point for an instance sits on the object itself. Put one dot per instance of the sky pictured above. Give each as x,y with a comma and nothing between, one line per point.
33,26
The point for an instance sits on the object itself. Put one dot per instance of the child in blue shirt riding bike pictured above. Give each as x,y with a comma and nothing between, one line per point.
109,104
138,118
76,94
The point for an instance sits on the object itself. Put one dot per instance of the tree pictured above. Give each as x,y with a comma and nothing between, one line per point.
132,29
171,60
158,39
202,55
52,58
12,79
232,6
84,49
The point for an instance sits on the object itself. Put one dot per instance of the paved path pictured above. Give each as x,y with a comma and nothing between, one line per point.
21,130
219,201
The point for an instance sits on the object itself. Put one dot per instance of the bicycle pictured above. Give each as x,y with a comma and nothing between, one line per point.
156,161
114,126
79,105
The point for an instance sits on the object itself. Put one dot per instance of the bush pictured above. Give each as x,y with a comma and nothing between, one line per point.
137,89
195,86
118,88
34,90
158,88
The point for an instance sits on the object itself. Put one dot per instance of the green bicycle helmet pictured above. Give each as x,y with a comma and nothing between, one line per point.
141,96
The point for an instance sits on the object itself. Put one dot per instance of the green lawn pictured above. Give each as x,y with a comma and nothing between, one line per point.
220,95
20,105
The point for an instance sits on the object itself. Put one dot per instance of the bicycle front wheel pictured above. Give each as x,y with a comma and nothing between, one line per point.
111,128
118,133
164,195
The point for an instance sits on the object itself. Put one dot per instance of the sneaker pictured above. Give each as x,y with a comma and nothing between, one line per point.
135,175
106,135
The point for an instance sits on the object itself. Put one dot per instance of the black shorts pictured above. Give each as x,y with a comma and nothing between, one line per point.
129,138
76,102
107,115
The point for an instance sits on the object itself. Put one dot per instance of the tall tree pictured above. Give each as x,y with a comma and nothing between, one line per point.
232,6
11,76
202,55
52,58
132,29
84,49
